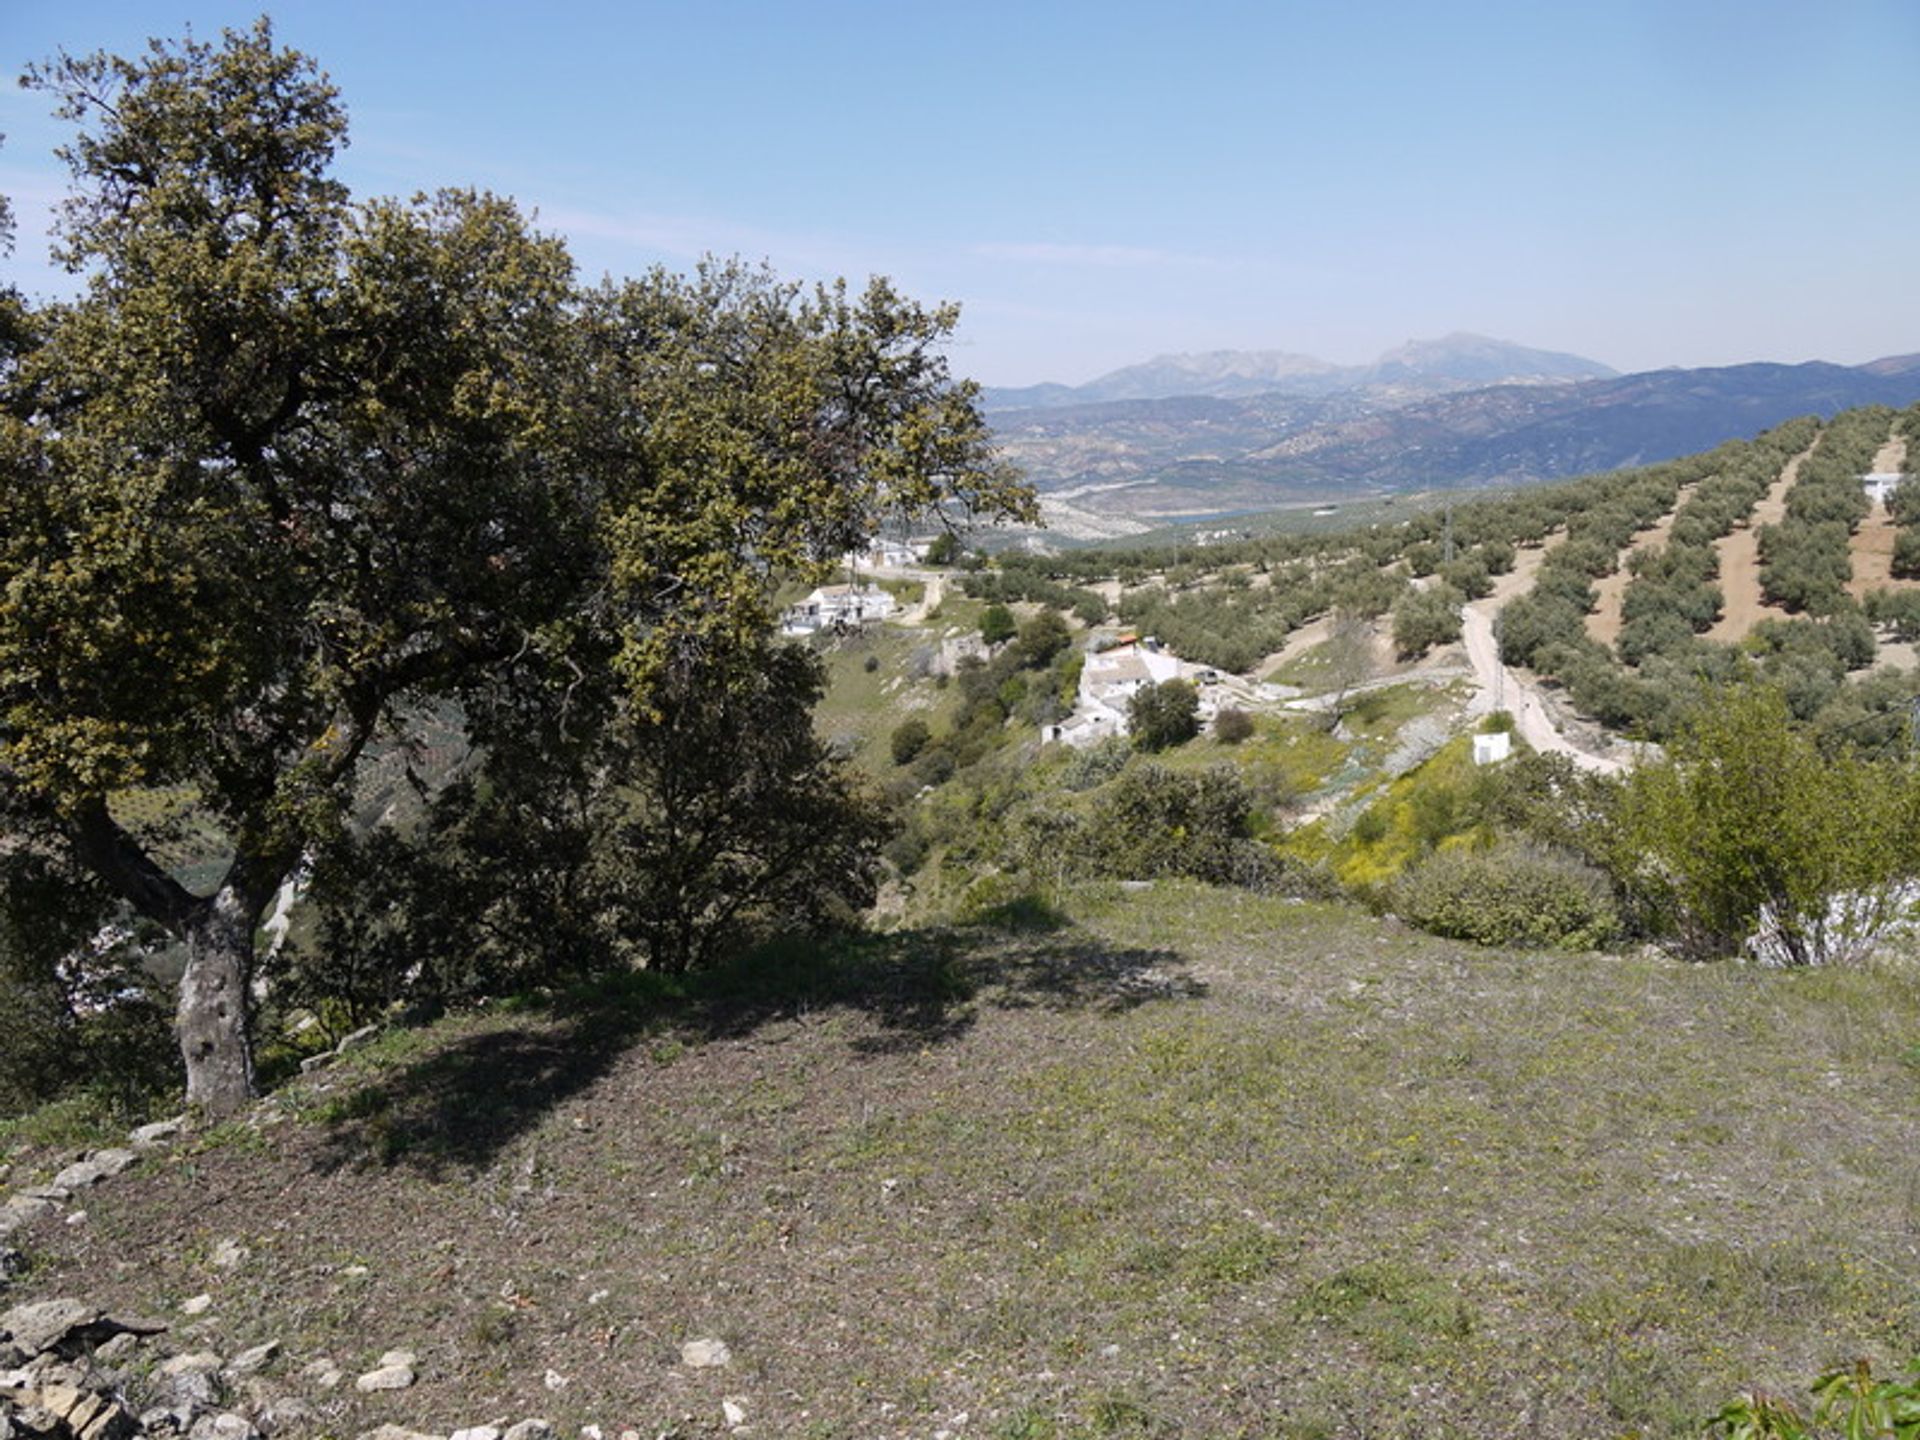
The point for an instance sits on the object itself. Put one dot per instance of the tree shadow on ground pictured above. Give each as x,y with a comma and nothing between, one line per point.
457,1108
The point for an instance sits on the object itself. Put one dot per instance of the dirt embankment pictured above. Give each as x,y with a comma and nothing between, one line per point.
1605,621
1740,562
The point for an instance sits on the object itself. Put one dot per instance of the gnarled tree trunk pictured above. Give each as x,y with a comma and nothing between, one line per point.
212,1021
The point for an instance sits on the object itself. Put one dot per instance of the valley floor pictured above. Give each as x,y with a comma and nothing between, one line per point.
1183,1162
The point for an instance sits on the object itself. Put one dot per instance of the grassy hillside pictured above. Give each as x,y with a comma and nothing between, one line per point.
1186,1163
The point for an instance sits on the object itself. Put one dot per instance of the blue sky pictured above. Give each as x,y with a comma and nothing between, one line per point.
1688,182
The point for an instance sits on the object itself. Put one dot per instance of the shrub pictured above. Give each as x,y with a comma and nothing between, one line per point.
1745,836
1159,716
997,624
1514,894
910,737
1425,618
1232,725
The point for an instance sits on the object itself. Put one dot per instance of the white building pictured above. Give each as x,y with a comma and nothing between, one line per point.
837,607
1881,485
1108,682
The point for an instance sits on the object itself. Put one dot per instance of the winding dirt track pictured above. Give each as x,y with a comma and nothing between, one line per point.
1505,689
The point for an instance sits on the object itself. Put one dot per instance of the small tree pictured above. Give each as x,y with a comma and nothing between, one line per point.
1232,725
1426,618
910,737
1746,836
997,624
1162,715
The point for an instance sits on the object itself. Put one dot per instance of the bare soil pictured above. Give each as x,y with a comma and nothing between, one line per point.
1873,542
1743,607
1605,621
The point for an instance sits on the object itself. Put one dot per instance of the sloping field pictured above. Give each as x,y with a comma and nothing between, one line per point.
1740,563
1193,1163
1604,623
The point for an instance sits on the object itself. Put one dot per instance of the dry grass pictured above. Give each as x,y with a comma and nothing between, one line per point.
1177,1162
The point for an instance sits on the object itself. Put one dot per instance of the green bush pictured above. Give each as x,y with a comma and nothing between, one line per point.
910,737
1231,726
1746,836
997,624
1513,894
1162,715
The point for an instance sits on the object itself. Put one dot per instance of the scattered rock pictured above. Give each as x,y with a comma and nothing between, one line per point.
229,1255
555,1380
477,1432
84,1414
200,1362
160,1132
356,1039
323,1372
12,1264
317,1062
387,1377
734,1407
197,1305
188,1394
285,1412
705,1354
39,1327
49,1194
529,1430
78,1217
395,1432
90,1171
223,1426
400,1357
247,1362
20,1212
117,1349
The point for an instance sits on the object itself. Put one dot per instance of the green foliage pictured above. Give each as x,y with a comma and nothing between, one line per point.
1153,821
942,549
675,841
1231,725
909,738
1163,715
81,1012
1745,829
1511,894
997,624
1426,618
1850,1403
1042,638
293,465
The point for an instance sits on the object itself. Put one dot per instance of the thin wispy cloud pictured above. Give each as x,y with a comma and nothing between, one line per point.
1041,252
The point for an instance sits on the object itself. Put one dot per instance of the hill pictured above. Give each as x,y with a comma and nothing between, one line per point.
1450,362
1187,1162
1160,460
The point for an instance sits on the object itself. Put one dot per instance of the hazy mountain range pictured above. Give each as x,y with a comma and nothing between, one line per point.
1420,367
1191,435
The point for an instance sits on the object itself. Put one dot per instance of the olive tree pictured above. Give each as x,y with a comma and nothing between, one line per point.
291,465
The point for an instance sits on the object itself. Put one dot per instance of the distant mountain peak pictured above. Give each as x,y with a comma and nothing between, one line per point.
1457,361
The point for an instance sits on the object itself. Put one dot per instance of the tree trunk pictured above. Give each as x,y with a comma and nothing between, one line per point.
212,1021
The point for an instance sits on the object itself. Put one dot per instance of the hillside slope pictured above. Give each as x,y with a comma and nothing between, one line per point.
1167,458
1192,1163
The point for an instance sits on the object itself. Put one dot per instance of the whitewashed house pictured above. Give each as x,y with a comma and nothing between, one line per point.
1108,682
837,607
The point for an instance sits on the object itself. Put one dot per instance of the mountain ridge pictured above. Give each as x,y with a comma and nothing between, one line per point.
1454,361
